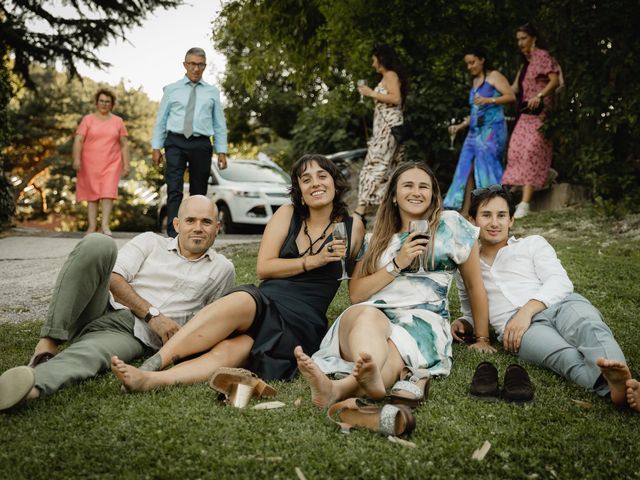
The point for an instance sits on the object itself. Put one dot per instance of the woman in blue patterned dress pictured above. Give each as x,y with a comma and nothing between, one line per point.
400,320
484,146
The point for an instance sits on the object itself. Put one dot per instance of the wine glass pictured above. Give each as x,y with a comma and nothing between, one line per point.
452,134
340,233
422,228
360,83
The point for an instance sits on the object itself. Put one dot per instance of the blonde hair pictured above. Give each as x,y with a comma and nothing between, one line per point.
388,221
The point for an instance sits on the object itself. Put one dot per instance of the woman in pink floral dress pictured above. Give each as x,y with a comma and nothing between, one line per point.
529,154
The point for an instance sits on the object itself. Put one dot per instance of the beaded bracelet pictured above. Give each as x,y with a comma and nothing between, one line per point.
483,339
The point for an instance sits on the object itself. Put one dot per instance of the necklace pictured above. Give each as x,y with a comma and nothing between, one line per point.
313,242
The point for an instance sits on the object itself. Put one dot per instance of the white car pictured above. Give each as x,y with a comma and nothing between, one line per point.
247,192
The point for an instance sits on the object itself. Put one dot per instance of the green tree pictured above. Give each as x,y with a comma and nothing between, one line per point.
31,33
311,60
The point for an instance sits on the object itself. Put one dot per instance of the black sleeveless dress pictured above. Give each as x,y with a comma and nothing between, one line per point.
291,311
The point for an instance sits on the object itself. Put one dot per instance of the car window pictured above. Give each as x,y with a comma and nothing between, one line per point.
253,172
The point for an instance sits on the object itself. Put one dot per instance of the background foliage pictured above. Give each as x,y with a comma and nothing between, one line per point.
290,82
300,72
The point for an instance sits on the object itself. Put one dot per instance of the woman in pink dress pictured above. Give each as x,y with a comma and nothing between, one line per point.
529,154
100,158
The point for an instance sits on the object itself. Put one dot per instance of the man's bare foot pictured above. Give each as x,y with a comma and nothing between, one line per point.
616,373
633,394
322,394
133,379
368,376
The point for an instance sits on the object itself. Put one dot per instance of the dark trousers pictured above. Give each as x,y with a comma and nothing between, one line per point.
179,152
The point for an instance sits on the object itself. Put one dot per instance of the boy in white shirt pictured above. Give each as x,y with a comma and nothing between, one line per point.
533,309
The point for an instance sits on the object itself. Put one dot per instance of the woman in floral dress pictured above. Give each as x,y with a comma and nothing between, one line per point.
400,320
529,154
384,152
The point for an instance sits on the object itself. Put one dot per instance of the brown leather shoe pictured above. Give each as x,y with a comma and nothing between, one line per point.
484,384
40,358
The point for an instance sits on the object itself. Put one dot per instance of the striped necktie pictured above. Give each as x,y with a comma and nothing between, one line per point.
188,116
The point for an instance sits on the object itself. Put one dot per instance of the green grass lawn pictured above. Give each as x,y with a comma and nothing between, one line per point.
91,430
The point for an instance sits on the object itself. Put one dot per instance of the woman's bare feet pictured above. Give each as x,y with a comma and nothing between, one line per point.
633,394
133,379
616,373
322,394
368,376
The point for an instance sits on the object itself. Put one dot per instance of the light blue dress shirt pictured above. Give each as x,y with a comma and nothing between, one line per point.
208,118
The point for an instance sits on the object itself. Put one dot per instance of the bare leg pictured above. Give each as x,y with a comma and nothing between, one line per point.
471,184
228,353
633,394
527,193
107,205
92,214
616,373
208,327
46,344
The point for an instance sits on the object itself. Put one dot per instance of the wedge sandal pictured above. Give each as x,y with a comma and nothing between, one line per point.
238,386
395,420
413,387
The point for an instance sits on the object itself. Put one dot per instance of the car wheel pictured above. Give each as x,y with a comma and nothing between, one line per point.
226,222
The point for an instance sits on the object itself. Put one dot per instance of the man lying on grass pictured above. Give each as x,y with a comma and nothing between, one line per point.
533,309
156,285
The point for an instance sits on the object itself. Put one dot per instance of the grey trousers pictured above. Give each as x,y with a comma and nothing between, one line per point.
567,338
80,314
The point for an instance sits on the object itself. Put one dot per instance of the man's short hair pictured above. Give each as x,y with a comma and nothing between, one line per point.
481,196
197,51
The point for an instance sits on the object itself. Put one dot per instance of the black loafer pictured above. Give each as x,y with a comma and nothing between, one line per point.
517,386
484,384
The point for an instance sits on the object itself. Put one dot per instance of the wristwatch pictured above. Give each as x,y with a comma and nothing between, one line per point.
391,269
153,312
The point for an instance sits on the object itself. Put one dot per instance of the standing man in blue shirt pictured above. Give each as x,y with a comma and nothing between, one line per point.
190,113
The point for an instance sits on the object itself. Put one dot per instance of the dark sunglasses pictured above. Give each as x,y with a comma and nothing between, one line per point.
490,189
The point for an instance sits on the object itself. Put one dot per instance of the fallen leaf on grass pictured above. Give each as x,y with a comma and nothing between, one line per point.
300,474
298,402
582,404
260,458
269,405
399,441
481,452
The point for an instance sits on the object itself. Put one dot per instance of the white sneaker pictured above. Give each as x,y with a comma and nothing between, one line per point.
522,210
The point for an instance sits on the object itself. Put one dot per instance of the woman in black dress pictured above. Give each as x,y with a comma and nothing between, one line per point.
258,327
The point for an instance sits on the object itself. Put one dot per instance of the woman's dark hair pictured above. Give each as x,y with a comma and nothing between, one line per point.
389,59
480,53
530,30
340,183
108,93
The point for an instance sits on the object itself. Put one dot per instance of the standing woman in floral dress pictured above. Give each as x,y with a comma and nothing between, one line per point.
384,152
529,154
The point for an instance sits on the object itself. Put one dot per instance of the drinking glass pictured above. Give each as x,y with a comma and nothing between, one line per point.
422,227
340,233
452,135
360,83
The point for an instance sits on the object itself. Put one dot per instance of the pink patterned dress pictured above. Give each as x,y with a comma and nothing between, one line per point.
529,154
101,157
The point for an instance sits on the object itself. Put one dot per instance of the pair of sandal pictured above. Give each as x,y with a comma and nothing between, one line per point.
237,386
395,418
